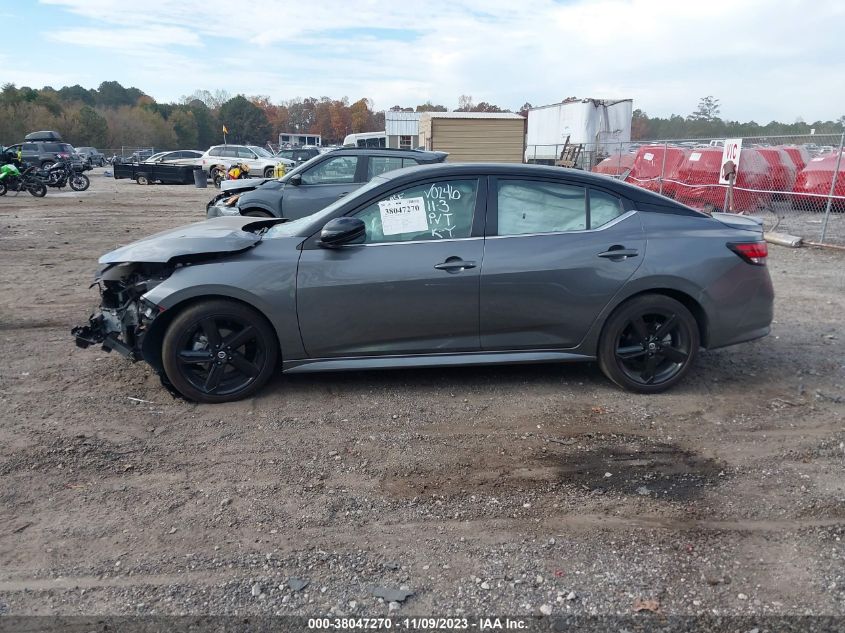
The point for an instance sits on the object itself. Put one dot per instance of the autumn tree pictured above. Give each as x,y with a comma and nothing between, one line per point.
428,106
245,121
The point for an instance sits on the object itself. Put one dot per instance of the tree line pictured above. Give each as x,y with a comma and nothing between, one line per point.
112,116
705,122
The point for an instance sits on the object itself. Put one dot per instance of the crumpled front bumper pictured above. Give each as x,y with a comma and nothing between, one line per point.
96,333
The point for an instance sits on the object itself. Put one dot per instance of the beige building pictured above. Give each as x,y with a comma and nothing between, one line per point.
474,137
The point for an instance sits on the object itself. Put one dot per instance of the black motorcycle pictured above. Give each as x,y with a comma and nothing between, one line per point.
63,173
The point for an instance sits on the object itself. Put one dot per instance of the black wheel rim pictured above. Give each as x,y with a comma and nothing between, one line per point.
221,355
654,347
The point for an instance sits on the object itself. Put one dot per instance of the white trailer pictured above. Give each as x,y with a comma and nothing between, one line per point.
597,124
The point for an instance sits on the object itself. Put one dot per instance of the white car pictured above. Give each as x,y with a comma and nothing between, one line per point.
178,157
260,161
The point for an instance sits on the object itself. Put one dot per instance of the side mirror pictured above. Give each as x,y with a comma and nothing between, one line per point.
342,231
295,180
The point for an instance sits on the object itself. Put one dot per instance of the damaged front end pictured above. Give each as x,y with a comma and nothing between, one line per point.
124,316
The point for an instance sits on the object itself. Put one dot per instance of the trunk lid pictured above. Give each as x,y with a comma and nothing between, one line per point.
741,222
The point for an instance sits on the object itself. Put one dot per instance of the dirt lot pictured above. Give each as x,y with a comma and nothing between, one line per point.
482,490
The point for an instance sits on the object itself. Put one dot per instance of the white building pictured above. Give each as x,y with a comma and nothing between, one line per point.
597,124
402,129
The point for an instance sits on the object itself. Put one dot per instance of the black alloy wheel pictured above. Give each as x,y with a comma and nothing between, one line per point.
217,351
649,343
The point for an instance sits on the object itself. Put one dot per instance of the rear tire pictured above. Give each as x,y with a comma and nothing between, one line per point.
142,180
649,343
3,189
219,351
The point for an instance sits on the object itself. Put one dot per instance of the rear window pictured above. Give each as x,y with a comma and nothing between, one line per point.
57,147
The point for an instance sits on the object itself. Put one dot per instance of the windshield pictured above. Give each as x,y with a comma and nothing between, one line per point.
290,229
261,151
155,156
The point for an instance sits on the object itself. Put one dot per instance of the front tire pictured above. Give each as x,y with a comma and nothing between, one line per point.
79,182
37,189
649,343
3,189
219,351
256,213
268,172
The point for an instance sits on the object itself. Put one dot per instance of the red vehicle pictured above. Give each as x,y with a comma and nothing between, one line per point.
781,167
799,155
615,165
648,165
816,179
699,174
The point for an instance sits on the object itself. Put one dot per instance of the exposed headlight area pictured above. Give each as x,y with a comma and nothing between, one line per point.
124,316
225,206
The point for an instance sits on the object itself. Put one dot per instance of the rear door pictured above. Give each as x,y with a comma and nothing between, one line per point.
556,253
322,184
410,288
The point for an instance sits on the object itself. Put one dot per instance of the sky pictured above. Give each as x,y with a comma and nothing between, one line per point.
764,59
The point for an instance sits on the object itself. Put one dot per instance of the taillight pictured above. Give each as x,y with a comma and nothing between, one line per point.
752,252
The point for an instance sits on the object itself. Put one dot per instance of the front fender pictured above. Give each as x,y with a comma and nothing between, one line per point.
263,278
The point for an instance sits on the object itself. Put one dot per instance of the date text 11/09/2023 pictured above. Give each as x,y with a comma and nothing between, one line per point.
418,624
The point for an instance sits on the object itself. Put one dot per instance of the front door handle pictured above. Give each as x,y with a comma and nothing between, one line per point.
618,253
454,265
343,194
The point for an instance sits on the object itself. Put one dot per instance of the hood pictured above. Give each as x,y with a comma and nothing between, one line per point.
230,234
243,183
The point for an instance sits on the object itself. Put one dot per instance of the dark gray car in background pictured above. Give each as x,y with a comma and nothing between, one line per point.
441,265
316,183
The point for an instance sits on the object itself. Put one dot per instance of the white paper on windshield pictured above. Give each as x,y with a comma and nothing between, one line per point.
648,156
403,215
695,156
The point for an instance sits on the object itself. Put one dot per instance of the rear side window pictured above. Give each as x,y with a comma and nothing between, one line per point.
216,151
230,152
382,164
603,208
526,207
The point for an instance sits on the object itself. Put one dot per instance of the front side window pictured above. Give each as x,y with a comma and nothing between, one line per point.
526,206
230,152
433,211
337,170
244,152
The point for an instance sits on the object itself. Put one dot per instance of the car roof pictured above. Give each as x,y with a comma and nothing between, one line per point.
405,153
623,189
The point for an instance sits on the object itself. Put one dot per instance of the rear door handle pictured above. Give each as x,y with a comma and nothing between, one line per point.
619,253
343,194
454,265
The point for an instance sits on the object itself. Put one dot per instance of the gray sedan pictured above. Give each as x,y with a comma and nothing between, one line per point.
440,265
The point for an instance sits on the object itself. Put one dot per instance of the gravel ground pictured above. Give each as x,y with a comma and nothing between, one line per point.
514,490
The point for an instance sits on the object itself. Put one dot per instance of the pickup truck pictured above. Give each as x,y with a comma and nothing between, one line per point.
149,173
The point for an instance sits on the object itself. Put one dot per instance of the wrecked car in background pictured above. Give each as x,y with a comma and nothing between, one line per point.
440,265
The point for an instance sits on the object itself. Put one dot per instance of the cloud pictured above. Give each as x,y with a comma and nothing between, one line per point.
762,60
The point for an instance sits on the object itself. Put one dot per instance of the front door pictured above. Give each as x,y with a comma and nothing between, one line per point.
555,255
410,288
322,184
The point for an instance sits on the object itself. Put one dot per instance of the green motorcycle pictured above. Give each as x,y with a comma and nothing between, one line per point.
12,179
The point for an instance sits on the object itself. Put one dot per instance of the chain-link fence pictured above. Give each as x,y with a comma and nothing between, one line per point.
127,154
795,184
